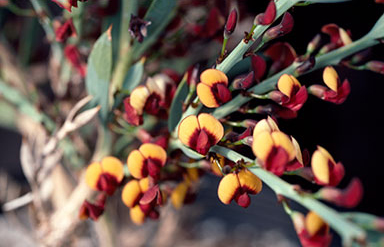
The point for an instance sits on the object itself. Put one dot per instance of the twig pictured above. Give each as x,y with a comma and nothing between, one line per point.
18,202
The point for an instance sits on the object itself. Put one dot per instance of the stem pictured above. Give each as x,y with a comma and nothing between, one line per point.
331,58
223,47
347,230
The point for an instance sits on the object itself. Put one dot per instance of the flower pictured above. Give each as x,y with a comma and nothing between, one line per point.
282,55
338,35
105,175
93,211
337,92
273,149
133,191
238,186
291,94
325,170
65,30
154,98
183,193
230,25
212,89
349,197
200,132
311,230
147,161
138,28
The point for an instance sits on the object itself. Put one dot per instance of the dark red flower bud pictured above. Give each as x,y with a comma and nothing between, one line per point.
349,197
73,55
231,22
305,66
89,210
244,82
64,31
314,44
375,66
138,28
283,28
268,16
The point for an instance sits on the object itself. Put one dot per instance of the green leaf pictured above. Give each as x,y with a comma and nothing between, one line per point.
377,31
176,110
160,13
134,76
99,72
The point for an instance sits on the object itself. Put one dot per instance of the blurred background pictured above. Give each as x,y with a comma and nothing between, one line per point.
352,132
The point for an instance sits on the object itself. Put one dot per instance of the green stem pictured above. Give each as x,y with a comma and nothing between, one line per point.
223,47
331,58
347,230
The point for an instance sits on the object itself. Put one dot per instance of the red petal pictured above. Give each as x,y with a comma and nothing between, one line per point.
153,167
258,66
202,144
90,210
336,174
231,22
150,195
223,93
243,200
297,100
107,183
131,115
353,193
277,161
268,16
244,83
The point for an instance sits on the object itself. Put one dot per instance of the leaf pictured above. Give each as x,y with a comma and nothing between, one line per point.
176,109
160,13
377,31
99,72
134,76
189,152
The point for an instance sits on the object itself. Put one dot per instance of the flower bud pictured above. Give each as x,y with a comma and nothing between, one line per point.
375,66
268,16
314,44
349,197
282,29
231,22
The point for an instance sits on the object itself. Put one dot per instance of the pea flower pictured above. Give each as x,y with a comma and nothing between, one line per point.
238,186
290,93
325,170
212,89
183,192
273,149
105,175
133,191
200,132
311,230
146,161
337,92
92,210
348,197
282,55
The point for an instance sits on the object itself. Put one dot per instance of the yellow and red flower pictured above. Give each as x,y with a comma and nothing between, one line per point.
325,170
200,132
337,92
146,161
212,89
311,230
291,94
153,98
106,175
273,149
238,186
339,37
92,210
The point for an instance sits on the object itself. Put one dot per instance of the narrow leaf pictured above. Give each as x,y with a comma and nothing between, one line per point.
99,73
134,76
176,109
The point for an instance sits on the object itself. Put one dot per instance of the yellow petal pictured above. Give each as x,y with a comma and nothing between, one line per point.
344,37
188,126
206,96
313,223
144,184
136,162
138,98
137,216
213,76
250,181
320,167
299,155
326,153
331,78
262,145
211,125
265,125
285,84
92,175
228,186
153,151
178,195
131,193
114,167
282,140
193,174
